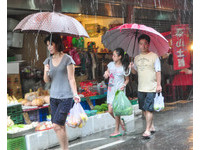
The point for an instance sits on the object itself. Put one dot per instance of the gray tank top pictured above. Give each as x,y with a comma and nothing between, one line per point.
60,87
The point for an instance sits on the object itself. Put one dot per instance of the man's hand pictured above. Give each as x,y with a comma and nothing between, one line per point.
158,89
131,65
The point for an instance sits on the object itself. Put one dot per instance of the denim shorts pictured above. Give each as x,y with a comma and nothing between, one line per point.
146,100
60,109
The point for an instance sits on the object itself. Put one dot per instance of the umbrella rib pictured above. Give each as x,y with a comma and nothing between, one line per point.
115,39
130,41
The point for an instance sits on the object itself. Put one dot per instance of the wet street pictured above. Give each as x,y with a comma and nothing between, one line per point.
174,131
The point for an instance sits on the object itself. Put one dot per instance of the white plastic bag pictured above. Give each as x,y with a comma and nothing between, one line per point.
159,102
77,116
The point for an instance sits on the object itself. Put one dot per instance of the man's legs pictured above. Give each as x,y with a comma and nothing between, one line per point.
62,136
149,120
152,128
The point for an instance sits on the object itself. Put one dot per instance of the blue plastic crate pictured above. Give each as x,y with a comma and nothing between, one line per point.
43,114
85,105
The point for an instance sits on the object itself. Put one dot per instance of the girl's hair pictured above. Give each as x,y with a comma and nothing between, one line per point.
55,38
124,57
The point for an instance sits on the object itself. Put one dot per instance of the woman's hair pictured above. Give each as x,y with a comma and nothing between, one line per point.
55,38
144,36
124,57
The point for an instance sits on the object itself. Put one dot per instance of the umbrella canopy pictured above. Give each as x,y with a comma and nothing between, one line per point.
125,36
52,22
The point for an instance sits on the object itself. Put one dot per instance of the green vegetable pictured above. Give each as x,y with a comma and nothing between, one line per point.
121,104
98,108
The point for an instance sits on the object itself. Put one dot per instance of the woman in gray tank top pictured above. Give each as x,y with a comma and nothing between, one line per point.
59,71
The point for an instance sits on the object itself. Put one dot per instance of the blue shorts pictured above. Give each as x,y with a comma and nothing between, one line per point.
60,109
146,100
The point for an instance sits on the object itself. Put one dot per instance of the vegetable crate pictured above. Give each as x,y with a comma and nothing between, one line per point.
14,109
16,143
17,118
15,113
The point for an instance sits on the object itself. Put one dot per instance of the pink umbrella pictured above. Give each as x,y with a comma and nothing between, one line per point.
52,22
125,36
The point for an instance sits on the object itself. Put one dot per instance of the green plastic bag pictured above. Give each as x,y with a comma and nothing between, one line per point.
121,104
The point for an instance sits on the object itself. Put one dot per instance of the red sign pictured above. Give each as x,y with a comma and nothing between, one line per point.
180,46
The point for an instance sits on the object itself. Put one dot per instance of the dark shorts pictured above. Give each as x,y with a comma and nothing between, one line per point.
146,100
60,109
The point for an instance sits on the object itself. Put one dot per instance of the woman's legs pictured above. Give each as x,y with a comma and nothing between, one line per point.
117,121
62,135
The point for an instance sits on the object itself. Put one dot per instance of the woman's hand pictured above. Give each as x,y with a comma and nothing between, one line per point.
106,74
47,68
123,86
77,99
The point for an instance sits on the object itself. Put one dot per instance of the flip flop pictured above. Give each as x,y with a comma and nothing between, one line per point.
152,132
146,136
123,125
117,135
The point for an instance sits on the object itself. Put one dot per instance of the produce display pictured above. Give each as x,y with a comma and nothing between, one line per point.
11,100
37,98
101,108
44,126
17,128
86,85
9,121
37,102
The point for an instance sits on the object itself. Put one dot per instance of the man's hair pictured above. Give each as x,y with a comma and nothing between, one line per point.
144,36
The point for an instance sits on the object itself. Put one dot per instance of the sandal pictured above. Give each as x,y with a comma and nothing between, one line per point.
152,132
146,135
123,125
115,135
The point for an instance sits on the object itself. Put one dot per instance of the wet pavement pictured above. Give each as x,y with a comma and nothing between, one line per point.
174,131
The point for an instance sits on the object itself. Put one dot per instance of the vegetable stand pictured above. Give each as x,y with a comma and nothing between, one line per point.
89,102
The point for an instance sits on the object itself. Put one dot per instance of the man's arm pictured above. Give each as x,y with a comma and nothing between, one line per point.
133,68
158,80
157,66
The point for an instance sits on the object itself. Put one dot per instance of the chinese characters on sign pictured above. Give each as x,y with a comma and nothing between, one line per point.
180,43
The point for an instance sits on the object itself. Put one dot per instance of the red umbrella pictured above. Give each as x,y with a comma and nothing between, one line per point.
125,36
52,22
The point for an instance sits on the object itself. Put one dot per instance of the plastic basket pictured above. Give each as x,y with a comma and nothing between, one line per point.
85,105
43,114
16,143
16,109
93,112
87,112
17,118
11,59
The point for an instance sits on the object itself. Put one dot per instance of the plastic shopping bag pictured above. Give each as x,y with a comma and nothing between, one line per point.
159,102
121,104
77,116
